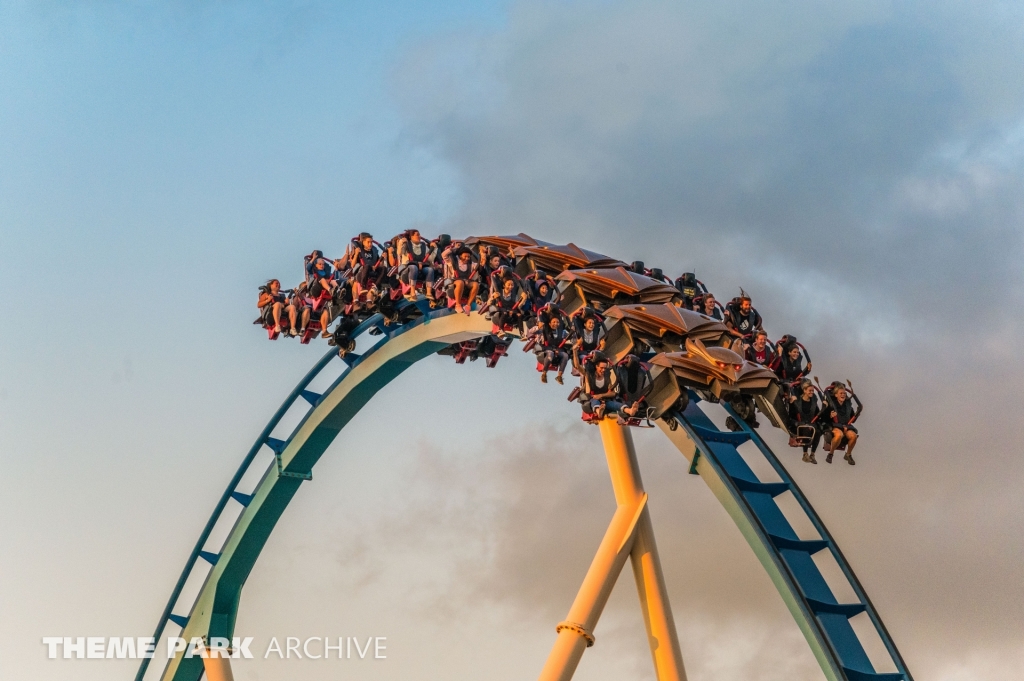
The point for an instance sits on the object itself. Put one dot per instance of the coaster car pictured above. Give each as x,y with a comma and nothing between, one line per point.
601,288
662,328
505,244
553,259
713,370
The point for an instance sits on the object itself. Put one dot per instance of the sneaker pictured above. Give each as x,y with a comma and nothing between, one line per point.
277,329
544,377
293,332
828,459
807,458
558,380
813,460
849,460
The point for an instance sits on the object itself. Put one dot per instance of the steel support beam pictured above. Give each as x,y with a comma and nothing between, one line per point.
630,535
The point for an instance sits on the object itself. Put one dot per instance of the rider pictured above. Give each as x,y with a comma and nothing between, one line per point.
415,257
804,412
299,300
551,349
371,265
319,275
634,384
542,292
839,416
506,303
790,367
465,276
741,317
492,267
760,351
271,303
600,387
589,337
708,306
321,279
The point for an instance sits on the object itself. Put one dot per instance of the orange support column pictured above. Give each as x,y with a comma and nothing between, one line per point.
630,534
217,665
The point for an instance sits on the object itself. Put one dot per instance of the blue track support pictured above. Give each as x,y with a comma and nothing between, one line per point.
397,348
824,618
232,493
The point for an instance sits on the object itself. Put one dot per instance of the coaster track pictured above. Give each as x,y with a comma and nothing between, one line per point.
713,455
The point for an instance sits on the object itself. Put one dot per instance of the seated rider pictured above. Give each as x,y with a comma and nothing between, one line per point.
271,303
299,299
634,384
491,269
600,387
760,351
507,304
741,317
309,262
589,337
551,350
319,275
465,278
321,280
804,410
368,264
548,312
708,306
790,364
416,258
542,292
838,416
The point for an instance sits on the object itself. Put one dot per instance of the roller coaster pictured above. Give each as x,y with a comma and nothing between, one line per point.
418,329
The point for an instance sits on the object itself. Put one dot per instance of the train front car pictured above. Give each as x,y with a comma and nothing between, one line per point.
641,329
720,375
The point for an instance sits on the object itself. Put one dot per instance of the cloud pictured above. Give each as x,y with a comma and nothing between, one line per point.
860,170
854,145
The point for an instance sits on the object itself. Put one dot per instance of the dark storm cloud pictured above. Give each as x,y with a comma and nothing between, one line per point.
884,139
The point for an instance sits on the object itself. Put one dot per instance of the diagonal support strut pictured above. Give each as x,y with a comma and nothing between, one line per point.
630,535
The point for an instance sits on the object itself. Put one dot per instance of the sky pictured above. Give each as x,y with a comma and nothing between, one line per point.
857,167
